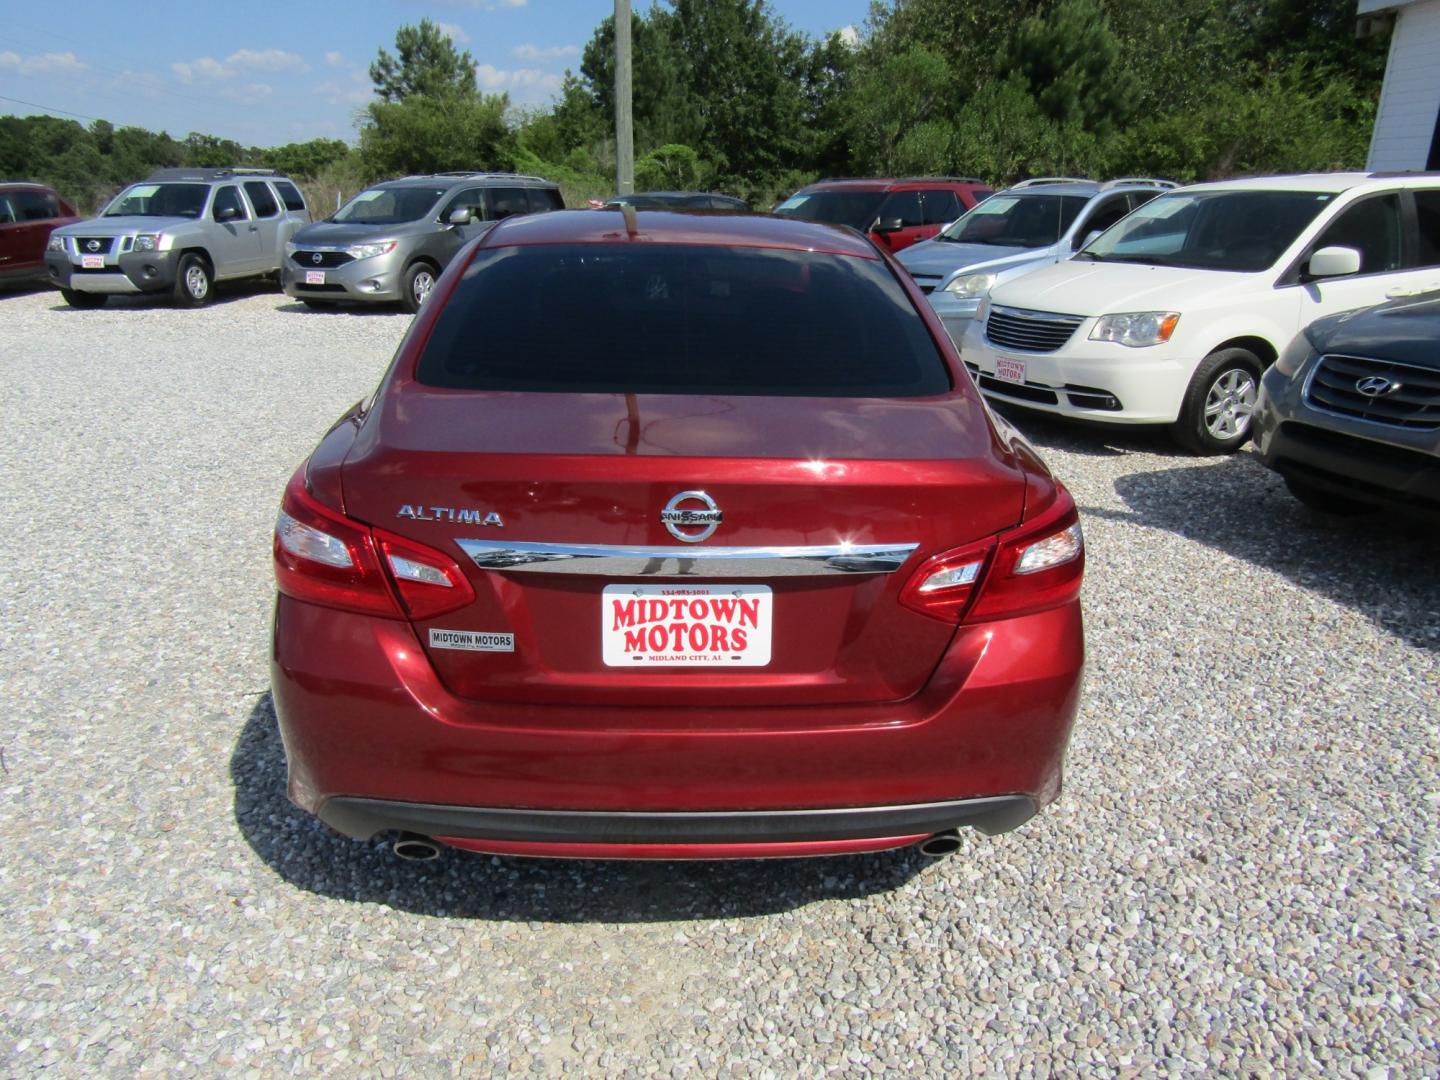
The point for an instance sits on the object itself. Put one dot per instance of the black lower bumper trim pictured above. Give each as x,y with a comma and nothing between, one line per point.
364,818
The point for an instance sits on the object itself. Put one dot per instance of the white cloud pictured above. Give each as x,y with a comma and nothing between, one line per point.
456,34
536,55
248,94
333,92
525,85
242,60
66,63
335,59
849,35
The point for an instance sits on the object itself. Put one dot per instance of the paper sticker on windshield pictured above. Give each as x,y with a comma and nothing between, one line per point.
368,196
993,206
472,641
142,191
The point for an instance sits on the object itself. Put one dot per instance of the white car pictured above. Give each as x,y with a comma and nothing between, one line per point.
1171,316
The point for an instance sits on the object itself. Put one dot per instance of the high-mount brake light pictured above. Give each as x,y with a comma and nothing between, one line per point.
325,558
1030,568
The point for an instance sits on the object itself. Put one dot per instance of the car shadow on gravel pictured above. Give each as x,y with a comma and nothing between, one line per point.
222,293
1092,440
298,308
1380,565
465,885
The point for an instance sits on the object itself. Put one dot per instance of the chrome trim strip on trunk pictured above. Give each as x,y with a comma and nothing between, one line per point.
733,562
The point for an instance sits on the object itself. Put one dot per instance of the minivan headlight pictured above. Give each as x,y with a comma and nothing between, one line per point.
1137,328
369,251
971,286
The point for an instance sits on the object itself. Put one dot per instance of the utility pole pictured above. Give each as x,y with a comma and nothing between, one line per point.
624,127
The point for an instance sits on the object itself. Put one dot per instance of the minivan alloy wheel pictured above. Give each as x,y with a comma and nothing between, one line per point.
1229,404
421,286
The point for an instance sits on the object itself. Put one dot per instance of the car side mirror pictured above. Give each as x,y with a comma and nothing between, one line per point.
885,225
226,213
1334,262
461,216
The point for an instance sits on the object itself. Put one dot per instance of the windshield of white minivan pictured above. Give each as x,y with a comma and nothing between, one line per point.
1025,221
159,200
389,206
1211,230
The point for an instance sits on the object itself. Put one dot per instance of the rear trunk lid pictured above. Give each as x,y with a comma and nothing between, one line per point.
480,474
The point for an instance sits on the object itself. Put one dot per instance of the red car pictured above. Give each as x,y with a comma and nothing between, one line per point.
675,536
895,213
28,214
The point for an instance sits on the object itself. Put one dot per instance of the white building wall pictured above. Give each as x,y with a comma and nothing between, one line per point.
1410,97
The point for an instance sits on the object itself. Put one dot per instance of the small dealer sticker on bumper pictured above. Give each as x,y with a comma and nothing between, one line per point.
472,641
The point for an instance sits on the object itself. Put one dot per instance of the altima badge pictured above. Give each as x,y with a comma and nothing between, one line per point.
456,514
674,516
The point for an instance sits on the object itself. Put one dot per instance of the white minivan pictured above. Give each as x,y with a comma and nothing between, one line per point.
1170,316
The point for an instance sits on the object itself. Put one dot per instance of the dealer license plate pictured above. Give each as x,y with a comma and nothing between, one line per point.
678,625
314,277
92,262
1009,370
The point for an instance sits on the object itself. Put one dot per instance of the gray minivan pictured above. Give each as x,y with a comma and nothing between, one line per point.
391,242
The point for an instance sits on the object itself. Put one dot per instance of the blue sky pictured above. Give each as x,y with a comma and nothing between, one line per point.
266,73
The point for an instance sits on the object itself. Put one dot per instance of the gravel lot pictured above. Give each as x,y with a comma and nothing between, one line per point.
1240,877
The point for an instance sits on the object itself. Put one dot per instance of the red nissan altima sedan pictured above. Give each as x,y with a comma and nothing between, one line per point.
671,536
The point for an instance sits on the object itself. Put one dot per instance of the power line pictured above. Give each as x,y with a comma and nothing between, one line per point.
48,109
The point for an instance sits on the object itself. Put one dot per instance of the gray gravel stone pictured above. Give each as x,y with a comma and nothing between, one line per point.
1239,878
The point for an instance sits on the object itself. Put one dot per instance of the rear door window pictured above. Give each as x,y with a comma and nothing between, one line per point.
941,207
505,202
1427,213
545,199
260,198
678,319
290,196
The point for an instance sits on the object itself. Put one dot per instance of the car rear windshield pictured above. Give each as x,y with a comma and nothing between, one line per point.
1024,221
159,200
854,208
389,206
1211,230
679,319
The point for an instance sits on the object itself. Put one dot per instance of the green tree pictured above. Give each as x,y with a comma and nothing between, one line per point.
674,167
307,158
428,64
436,133
1069,58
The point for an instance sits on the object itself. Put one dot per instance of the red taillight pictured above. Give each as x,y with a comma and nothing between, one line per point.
1030,568
325,558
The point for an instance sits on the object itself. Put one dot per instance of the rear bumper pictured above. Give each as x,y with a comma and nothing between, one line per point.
363,818
375,741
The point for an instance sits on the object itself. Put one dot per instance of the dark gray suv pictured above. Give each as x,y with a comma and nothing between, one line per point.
391,242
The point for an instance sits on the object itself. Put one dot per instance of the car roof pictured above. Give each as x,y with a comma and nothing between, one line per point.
669,227
1319,182
458,179
880,183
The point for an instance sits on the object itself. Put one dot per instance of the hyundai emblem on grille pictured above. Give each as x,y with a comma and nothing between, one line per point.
674,517
1376,386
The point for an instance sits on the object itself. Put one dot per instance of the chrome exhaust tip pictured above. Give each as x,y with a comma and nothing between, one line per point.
416,848
940,845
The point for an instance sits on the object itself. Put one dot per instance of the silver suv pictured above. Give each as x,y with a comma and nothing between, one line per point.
179,231
392,241
1033,224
